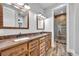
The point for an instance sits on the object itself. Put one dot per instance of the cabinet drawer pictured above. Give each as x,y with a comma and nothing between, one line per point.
42,49
48,37
48,45
25,53
42,45
22,48
33,44
36,47
34,53
42,39
42,52
15,51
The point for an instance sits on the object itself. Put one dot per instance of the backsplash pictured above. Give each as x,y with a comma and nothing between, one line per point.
21,35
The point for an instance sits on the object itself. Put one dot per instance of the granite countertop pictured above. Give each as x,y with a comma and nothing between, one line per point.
4,44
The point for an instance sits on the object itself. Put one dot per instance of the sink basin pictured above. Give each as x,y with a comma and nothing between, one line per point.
21,39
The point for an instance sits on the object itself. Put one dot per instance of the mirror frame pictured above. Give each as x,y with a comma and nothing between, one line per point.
20,27
38,24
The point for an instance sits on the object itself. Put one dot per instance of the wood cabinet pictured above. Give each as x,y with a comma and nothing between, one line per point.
35,47
48,42
42,46
15,51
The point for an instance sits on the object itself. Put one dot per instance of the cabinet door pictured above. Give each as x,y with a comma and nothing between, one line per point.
42,52
22,49
33,48
9,52
15,51
42,46
42,39
8,17
33,44
42,49
48,42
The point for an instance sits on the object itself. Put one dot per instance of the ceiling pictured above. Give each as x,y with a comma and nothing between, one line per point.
49,5
60,10
44,8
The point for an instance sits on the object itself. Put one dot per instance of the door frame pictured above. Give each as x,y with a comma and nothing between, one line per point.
67,24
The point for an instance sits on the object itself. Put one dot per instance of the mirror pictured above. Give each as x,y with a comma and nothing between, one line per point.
40,23
14,19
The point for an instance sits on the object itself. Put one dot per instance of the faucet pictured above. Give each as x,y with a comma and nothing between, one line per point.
19,35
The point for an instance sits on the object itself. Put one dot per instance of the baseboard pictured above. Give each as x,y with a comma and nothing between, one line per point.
73,52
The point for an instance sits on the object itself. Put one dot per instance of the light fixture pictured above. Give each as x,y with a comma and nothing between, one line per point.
61,12
16,7
23,10
26,6
20,4
9,3
39,15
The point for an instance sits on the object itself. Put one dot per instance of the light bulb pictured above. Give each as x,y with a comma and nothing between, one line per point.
39,15
26,6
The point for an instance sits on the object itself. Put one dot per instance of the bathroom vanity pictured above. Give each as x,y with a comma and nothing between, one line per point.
31,45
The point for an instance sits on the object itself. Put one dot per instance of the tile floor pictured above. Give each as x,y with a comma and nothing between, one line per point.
59,50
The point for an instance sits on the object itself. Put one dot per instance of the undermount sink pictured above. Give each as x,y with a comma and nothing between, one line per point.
21,39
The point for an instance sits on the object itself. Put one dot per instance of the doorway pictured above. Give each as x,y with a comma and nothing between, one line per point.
60,31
